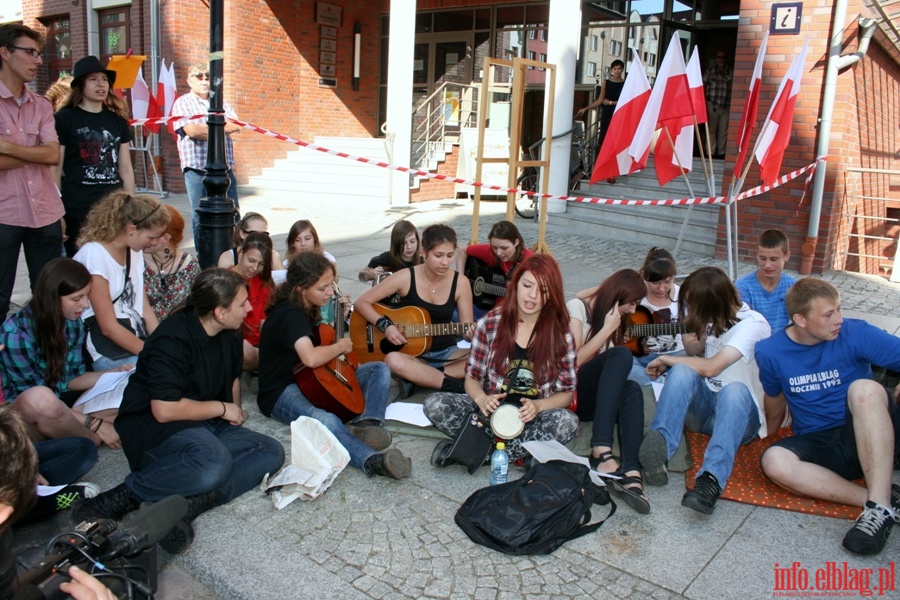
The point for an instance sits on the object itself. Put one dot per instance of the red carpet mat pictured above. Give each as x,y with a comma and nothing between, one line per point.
749,485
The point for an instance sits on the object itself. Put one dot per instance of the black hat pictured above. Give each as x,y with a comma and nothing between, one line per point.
91,64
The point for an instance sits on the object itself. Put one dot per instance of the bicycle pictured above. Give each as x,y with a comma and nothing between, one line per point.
580,161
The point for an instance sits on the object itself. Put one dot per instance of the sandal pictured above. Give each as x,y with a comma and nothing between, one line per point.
596,461
631,488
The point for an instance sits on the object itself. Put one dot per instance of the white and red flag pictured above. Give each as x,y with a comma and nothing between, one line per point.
776,130
140,97
680,129
614,159
751,107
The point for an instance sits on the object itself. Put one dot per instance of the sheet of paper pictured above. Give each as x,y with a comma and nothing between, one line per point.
48,490
106,393
545,451
463,344
657,389
407,412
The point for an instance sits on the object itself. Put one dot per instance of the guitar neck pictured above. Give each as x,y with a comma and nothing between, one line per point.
655,329
494,290
416,331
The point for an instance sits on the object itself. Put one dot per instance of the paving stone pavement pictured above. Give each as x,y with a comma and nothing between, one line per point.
377,538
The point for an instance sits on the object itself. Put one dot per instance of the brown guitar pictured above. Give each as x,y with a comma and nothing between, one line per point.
643,325
369,344
332,386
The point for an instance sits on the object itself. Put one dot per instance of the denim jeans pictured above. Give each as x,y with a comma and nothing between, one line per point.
193,182
729,416
105,364
63,461
374,380
213,456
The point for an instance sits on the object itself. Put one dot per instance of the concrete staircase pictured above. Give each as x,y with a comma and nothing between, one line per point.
309,174
429,156
653,225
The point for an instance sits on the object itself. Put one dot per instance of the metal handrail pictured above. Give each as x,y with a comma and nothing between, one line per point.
432,130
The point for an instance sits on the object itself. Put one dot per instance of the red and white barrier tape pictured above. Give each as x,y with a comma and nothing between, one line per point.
585,199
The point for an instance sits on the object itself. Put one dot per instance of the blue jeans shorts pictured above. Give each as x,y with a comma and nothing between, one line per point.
438,358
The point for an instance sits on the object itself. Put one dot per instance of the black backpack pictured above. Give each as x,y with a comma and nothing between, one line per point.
548,506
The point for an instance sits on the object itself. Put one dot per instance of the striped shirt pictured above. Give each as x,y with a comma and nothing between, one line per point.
193,152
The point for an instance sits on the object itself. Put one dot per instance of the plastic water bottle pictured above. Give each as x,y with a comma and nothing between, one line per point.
499,464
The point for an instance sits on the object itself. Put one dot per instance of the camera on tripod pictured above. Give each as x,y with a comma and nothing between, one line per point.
125,560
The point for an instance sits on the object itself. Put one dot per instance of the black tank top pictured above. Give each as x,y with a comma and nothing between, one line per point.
440,313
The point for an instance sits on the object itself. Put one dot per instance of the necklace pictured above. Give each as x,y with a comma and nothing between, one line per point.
433,285
165,264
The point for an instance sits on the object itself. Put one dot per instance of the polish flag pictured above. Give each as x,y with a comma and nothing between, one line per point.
776,131
668,105
614,159
751,107
675,119
140,97
695,85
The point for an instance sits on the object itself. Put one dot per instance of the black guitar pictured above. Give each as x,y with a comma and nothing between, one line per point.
488,283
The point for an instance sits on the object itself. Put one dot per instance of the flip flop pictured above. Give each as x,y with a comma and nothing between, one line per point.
633,497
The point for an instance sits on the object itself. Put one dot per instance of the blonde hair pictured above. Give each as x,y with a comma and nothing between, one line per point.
58,93
109,217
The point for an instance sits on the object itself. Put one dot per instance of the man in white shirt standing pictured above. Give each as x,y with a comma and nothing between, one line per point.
192,139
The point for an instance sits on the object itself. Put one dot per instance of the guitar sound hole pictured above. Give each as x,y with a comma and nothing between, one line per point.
387,346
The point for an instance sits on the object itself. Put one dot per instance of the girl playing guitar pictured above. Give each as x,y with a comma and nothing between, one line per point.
435,287
605,396
288,334
524,340
504,252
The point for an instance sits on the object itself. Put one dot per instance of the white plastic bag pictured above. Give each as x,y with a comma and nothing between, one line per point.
317,457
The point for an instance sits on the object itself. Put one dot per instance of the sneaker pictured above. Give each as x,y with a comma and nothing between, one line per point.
653,456
113,504
373,436
870,533
705,494
66,497
389,464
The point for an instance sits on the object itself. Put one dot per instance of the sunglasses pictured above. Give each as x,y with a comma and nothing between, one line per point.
201,76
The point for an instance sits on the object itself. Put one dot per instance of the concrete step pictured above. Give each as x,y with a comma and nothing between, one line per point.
658,224
304,172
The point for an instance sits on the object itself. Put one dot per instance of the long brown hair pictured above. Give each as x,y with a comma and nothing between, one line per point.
399,233
303,271
504,230
623,286
708,298
113,101
552,324
263,243
59,277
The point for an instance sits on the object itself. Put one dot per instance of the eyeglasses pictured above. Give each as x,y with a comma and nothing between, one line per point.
34,53
201,76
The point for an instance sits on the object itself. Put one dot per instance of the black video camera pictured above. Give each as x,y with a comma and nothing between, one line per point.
123,560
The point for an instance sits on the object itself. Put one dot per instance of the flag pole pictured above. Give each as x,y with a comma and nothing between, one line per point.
687,181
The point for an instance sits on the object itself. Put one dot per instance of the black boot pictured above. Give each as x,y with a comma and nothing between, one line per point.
181,536
452,384
112,504
389,464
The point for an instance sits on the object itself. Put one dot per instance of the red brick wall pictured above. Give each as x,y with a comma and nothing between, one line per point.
864,133
434,189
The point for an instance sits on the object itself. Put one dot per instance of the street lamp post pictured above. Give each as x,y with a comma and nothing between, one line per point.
216,210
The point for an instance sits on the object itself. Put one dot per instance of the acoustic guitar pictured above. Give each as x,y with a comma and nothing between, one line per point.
369,344
488,284
643,324
332,386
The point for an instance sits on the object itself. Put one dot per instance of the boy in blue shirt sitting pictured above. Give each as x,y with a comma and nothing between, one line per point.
764,291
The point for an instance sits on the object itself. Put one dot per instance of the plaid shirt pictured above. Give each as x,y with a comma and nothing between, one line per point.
191,151
480,367
22,364
717,87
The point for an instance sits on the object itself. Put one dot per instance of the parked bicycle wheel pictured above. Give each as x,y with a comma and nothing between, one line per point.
527,206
